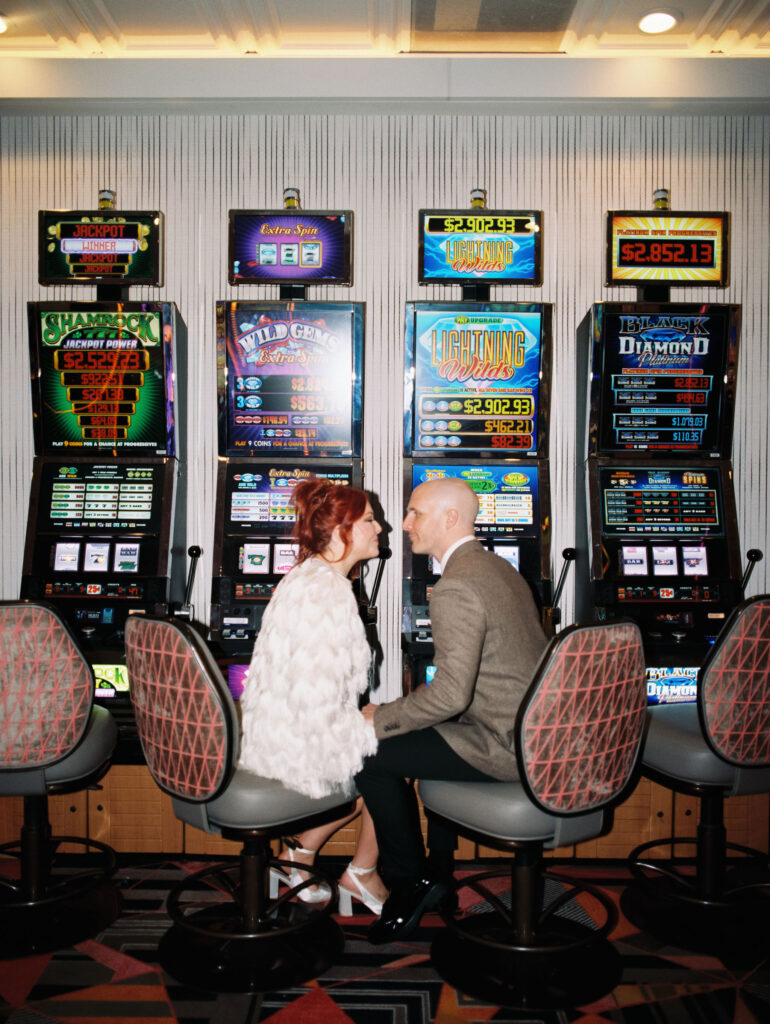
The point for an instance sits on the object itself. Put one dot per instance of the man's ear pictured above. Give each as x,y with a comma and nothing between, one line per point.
452,518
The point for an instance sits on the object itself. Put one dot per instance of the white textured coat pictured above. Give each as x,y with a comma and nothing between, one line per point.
300,717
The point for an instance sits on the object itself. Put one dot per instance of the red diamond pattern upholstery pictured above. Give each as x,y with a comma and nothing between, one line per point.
183,721
46,687
583,719
734,688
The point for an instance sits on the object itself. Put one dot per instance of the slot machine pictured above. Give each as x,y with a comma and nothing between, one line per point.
289,375
106,525
657,525
477,390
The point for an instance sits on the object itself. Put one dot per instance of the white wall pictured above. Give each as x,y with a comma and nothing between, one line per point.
195,167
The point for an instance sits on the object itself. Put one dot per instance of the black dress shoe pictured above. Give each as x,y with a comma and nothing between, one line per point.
403,909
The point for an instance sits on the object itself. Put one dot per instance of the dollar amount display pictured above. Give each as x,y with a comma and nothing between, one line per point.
101,359
649,253
663,410
479,224
489,421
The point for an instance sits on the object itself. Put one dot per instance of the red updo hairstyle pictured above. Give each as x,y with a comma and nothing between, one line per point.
322,505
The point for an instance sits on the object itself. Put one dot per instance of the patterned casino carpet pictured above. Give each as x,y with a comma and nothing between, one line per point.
115,979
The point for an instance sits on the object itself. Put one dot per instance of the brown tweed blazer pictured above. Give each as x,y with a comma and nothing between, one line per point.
488,641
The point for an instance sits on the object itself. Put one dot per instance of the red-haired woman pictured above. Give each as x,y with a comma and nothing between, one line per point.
300,717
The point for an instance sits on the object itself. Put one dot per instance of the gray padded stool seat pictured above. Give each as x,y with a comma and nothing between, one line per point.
238,937
500,810
676,747
713,749
578,736
52,740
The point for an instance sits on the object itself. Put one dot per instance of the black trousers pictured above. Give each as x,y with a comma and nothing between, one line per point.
385,784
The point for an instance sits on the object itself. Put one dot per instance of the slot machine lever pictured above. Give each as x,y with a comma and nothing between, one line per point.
569,555
371,611
754,555
186,611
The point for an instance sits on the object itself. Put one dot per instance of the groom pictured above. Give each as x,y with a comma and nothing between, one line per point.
488,640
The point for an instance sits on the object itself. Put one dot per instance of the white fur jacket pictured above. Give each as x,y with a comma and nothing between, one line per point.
300,717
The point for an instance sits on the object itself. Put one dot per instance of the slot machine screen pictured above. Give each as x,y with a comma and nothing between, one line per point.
290,246
666,380
83,497
476,377
289,377
652,504
508,496
665,247
466,246
103,378
258,498
100,247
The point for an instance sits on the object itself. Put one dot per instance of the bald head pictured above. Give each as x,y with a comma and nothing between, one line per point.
440,512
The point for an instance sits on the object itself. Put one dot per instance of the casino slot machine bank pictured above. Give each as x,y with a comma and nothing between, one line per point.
106,525
657,527
477,389
289,374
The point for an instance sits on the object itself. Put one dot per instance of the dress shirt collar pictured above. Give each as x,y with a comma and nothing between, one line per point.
451,550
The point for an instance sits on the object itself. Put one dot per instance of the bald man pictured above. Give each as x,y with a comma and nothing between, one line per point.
488,640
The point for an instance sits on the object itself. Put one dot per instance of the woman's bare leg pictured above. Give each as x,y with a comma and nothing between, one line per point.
365,857
314,838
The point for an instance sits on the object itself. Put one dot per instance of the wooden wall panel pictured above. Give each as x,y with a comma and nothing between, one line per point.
130,813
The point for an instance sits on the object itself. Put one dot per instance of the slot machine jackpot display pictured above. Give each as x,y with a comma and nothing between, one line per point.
657,526
106,525
667,247
477,398
480,245
290,392
102,247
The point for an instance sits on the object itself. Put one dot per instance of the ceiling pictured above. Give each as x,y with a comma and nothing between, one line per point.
377,28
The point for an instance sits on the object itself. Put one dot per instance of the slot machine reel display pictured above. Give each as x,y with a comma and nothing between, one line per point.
290,391
105,534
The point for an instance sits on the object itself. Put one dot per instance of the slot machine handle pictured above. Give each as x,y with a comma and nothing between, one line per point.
753,555
382,558
569,555
195,552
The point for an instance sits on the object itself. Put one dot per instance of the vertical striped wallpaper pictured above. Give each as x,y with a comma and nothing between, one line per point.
384,167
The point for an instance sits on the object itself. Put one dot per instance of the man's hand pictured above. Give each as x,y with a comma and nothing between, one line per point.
368,712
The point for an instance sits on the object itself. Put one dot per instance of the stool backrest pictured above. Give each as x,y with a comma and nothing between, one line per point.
734,687
580,726
46,687
184,713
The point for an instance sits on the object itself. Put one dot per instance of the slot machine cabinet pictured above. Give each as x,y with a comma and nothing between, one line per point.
477,407
253,546
101,542
657,527
290,407
106,525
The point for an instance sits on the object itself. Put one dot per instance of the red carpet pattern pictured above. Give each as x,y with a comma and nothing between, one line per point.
115,979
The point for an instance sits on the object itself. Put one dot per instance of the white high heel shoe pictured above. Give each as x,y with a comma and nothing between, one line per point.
319,894
362,895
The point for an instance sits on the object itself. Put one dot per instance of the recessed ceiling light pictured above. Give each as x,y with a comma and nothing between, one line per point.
654,22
